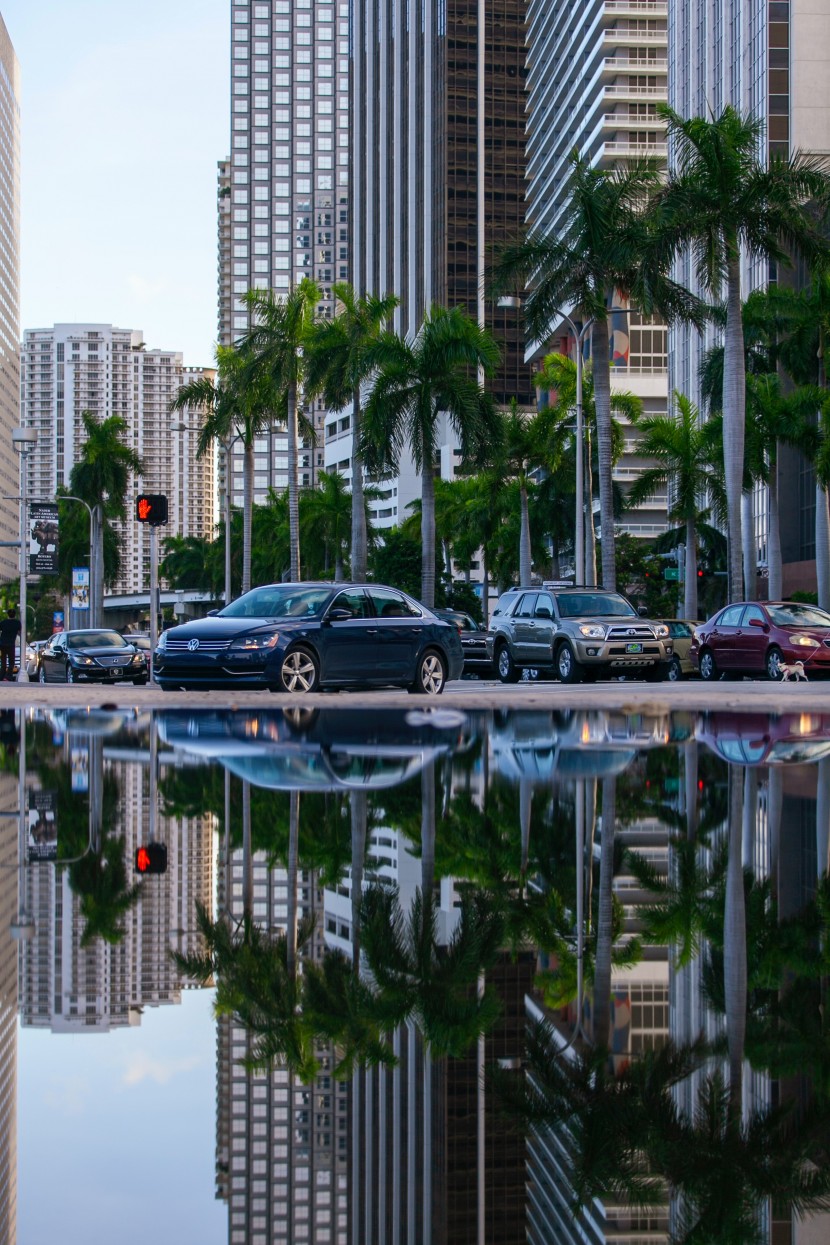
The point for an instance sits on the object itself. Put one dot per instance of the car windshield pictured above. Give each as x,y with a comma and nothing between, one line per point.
797,615
95,639
594,605
279,601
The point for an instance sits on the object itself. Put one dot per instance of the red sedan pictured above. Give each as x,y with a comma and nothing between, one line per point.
756,637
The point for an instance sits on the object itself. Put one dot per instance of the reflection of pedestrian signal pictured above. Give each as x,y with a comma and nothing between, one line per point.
151,508
152,858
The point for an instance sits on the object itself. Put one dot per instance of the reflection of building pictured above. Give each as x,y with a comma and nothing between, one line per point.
72,368
69,988
9,877
281,1145
10,300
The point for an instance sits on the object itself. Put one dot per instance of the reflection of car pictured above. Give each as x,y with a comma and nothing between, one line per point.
473,642
91,656
94,721
754,637
761,739
577,633
543,746
301,637
324,751
680,633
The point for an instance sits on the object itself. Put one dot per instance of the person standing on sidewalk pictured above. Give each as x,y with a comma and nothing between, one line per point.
9,631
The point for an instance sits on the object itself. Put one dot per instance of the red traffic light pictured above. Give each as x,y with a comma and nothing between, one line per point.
700,574
151,858
151,508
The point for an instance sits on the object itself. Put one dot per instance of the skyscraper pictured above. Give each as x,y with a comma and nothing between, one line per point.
438,181
285,215
595,73
9,295
771,61
72,368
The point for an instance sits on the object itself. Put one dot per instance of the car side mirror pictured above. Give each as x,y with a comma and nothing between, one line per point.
543,612
212,613
642,611
339,614
758,622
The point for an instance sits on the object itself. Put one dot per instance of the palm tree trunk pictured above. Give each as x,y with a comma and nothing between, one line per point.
734,415
690,780
291,883
555,570
823,546
485,589
750,555
97,562
734,945
525,806
359,805
293,487
822,816
427,530
602,407
605,918
524,539
247,512
690,597
774,568
247,855
590,574
359,532
428,830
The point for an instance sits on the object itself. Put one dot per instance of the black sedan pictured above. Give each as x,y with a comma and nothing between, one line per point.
473,643
304,637
91,657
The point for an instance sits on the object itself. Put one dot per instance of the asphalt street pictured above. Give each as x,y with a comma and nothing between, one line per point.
750,696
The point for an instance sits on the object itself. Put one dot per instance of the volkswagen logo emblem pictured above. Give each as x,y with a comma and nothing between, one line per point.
194,644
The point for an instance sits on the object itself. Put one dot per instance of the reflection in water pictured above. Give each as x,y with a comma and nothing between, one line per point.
547,977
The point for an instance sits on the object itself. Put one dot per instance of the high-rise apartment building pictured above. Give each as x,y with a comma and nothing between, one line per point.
9,296
284,190
9,900
595,73
438,182
72,368
771,60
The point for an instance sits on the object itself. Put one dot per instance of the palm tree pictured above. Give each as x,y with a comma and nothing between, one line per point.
274,349
326,515
238,406
101,477
339,362
607,247
680,446
416,381
723,202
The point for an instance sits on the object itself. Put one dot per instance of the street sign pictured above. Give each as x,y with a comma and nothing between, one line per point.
671,572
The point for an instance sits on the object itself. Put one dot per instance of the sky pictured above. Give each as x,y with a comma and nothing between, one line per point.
124,116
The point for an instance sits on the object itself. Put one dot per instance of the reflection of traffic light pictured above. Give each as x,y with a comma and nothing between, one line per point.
151,508
151,858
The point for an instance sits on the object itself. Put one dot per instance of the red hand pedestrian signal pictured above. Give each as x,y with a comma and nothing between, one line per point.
144,509
151,508
151,858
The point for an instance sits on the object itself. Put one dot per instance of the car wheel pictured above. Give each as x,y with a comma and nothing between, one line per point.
506,667
675,672
41,678
708,666
431,676
299,671
773,664
567,667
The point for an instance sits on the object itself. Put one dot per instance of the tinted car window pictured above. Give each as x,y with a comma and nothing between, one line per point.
278,601
796,615
389,604
594,604
752,611
544,602
730,617
527,605
96,639
355,602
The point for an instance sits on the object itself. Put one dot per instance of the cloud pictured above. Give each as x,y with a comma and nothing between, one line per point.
141,1067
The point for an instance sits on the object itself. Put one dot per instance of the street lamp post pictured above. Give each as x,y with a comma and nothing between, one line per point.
24,441
580,520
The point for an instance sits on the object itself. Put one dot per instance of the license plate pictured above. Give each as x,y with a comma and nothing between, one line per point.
114,672
634,648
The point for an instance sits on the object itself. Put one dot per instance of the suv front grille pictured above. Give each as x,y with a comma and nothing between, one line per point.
639,631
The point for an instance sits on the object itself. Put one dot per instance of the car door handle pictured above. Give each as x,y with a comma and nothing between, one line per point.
371,630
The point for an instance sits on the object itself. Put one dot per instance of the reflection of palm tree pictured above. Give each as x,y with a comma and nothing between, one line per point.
100,880
683,910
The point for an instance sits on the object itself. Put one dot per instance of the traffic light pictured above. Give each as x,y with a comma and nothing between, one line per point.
151,858
151,508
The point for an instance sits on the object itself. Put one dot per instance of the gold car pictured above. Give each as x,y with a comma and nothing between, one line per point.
681,632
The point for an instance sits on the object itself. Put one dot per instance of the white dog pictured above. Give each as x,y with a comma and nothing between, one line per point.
792,671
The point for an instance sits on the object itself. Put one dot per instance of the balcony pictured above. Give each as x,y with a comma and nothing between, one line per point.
652,7
634,151
619,36
622,121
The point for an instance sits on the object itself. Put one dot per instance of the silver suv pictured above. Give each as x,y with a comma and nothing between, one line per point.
577,633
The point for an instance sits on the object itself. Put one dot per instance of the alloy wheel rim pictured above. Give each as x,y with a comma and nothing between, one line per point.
504,663
706,665
432,676
565,662
298,673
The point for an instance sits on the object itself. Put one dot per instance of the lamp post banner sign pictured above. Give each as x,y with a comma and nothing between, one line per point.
43,538
80,588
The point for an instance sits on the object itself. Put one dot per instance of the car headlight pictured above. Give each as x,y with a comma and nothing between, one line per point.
253,643
137,659
805,641
592,631
661,631
78,659
162,641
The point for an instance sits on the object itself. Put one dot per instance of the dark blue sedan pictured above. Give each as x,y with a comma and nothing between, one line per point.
305,637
